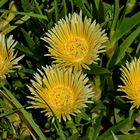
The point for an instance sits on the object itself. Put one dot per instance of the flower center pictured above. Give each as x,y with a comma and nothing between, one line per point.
76,49
61,98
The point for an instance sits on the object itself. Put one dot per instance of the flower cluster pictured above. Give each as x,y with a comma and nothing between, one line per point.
62,90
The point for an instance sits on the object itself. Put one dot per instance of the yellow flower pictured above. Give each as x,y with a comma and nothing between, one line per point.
75,42
131,79
60,91
8,60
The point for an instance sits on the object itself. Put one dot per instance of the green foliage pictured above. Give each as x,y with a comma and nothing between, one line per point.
109,117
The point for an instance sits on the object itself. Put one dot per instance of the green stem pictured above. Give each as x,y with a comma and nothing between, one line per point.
38,7
31,14
65,8
56,10
116,14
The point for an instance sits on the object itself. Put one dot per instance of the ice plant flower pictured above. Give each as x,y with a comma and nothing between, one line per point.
8,60
60,91
75,42
131,79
